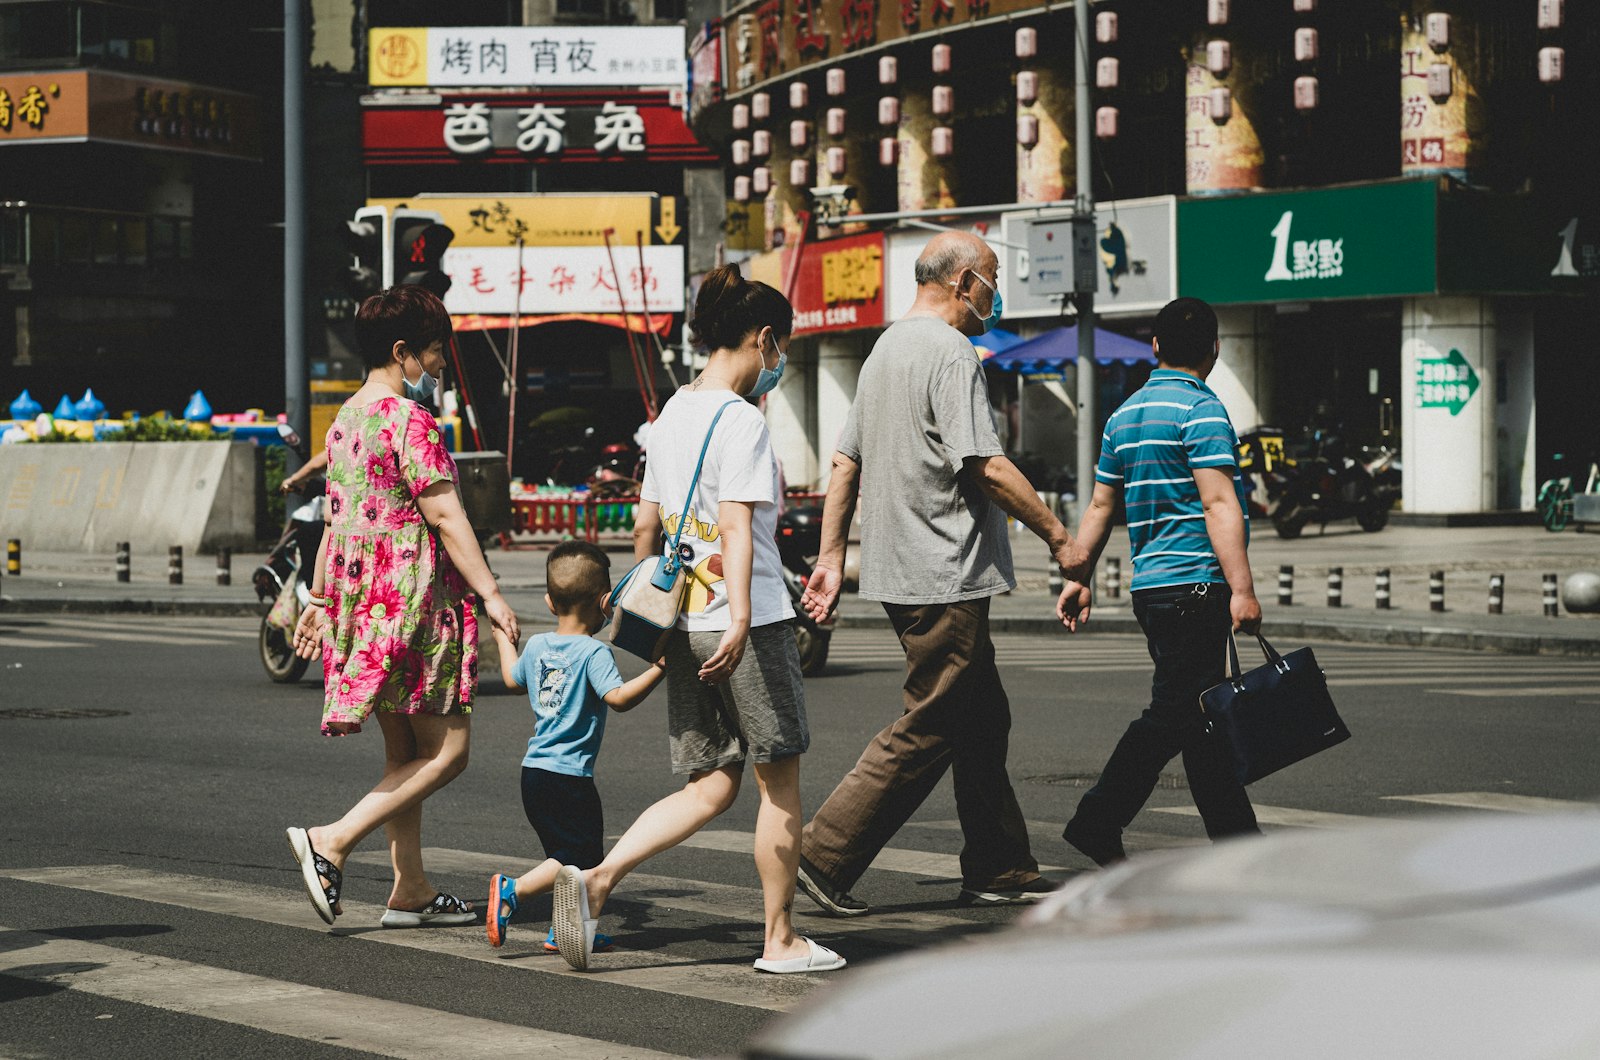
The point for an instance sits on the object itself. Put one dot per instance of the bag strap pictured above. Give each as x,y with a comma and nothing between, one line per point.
694,484
1231,662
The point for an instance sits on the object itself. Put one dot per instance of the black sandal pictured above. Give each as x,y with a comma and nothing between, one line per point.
313,869
445,910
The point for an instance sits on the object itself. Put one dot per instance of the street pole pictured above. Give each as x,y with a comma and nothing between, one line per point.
514,371
294,218
1088,415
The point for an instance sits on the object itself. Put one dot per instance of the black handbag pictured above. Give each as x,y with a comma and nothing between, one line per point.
1273,716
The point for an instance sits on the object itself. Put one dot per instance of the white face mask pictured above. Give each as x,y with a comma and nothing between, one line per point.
422,389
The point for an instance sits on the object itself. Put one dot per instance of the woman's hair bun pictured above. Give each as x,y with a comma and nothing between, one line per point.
729,308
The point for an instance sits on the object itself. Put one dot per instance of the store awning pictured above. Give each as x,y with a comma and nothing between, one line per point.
997,341
633,322
1055,349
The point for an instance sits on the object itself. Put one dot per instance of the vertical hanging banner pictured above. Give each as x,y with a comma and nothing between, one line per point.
1219,156
1439,105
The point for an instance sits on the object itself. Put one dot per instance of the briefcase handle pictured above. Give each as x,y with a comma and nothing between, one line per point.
1234,670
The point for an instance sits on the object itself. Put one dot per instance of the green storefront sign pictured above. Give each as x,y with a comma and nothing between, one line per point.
1364,241
1445,382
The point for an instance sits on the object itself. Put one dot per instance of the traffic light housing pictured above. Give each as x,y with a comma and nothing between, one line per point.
364,237
419,243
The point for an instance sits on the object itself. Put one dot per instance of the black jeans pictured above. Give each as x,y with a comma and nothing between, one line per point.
1186,627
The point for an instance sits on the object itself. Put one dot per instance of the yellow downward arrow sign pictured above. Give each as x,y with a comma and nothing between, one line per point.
668,229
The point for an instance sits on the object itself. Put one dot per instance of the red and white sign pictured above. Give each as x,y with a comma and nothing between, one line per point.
564,280
840,285
518,128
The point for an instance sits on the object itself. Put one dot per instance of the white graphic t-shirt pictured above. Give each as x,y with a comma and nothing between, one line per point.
740,466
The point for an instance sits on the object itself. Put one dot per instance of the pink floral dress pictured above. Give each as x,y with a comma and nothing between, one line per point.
403,633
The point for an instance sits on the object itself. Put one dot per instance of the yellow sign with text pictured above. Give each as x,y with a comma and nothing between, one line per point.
551,220
398,56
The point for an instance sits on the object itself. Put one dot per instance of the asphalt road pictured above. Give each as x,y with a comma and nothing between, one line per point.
149,907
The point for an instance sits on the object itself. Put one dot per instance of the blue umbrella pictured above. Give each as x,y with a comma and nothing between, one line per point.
996,341
1057,348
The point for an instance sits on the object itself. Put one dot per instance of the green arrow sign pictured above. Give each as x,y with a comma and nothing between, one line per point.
1445,382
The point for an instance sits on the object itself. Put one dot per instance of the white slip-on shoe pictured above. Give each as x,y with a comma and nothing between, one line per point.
818,958
446,910
573,926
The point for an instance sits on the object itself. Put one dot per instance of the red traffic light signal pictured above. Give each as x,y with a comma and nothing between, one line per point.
419,246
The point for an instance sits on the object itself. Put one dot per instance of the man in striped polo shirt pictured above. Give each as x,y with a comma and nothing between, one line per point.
1170,452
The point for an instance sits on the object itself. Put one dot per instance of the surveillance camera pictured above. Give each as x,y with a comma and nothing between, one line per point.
835,193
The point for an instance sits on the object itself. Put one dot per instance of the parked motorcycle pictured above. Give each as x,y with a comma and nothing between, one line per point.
799,543
1325,485
283,582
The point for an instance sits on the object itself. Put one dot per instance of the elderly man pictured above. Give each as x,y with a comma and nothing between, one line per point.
934,550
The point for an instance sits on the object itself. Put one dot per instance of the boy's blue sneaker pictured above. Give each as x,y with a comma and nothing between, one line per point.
502,903
602,942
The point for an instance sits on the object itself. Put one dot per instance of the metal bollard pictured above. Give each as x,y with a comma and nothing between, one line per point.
124,561
1380,590
14,556
1335,586
1436,590
1113,579
175,565
1552,602
224,567
1497,594
1285,585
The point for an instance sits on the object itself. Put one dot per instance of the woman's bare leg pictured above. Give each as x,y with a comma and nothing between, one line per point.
662,827
778,853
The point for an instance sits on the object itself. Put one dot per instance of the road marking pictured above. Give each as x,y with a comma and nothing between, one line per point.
1284,816
640,969
32,642
889,859
1494,800
207,630
309,1013
722,901
1518,693
133,638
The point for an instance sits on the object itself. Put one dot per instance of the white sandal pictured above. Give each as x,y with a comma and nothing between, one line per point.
818,958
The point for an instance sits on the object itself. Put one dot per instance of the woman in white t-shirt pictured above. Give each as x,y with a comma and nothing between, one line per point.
734,690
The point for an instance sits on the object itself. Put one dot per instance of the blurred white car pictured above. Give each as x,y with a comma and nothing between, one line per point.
1471,936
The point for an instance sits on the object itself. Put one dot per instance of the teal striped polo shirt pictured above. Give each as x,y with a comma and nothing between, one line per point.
1150,450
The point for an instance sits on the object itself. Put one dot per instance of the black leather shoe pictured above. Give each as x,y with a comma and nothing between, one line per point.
1102,848
1015,894
825,894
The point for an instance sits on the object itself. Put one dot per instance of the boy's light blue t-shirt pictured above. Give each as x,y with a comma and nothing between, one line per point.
566,677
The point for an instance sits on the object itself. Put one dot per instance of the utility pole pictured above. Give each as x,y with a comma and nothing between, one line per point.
294,218
1084,230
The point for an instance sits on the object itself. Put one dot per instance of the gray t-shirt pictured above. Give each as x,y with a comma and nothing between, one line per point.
929,535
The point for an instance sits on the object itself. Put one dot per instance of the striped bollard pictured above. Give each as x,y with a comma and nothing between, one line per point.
1113,579
1497,594
1285,585
1552,602
14,556
1436,590
224,566
1335,586
124,561
175,565
1380,590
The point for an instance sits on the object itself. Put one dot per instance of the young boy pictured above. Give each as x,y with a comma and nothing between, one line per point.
571,678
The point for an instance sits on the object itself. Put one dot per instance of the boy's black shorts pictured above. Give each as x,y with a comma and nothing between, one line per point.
565,811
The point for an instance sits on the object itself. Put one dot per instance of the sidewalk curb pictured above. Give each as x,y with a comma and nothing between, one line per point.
1292,629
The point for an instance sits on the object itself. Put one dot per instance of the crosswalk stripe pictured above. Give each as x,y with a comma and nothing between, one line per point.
642,970
723,901
1520,693
889,859
1283,815
219,628
309,1013
126,638
7,641
1494,800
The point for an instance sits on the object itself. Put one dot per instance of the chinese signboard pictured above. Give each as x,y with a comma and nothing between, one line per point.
840,285
1366,241
548,220
705,68
569,279
1134,249
527,56
77,106
770,38
1435,129
1218,157
1445,382
545,127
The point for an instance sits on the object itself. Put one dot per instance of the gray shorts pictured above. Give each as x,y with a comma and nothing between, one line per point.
758,714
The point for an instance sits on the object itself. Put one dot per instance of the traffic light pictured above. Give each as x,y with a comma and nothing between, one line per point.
420,241
364,237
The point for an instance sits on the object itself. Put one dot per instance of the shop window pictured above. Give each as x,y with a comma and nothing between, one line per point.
163,239
135,241
105,241
77,240
44,238
11,226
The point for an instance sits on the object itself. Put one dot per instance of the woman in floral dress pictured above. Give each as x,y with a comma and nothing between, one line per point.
393,606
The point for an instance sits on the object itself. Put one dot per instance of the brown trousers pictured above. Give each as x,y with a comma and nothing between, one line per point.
956,717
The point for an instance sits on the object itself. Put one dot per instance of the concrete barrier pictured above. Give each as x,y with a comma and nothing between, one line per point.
88,497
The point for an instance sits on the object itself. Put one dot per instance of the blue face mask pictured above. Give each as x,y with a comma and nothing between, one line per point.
996,306
769,376
422,389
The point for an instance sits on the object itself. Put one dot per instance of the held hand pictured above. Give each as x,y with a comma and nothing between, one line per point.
1073,607
725,660
1246,611
1073,560
502,617
821,597
309,632
289,484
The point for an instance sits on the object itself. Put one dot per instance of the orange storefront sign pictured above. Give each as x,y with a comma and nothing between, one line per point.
44,106
67,106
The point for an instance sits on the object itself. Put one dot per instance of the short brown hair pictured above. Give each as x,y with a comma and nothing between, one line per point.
403,313
576,573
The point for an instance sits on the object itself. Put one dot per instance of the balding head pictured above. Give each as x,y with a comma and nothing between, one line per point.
948,254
